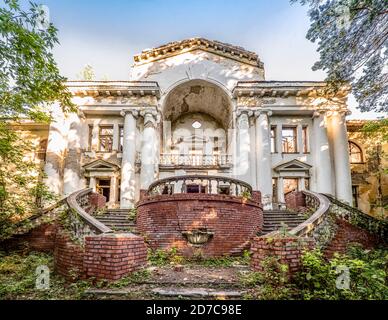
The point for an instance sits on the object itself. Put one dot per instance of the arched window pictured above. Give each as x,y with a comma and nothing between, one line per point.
355,153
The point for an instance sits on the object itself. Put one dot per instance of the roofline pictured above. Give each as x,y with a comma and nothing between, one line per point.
178,47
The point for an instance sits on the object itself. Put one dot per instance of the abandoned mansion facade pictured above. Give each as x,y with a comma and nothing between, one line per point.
199,107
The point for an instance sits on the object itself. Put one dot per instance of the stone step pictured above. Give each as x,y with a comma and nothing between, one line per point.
197,293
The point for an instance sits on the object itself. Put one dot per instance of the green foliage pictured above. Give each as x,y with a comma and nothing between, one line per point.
134,278
29,80
17,279
162,257
270,284
87,73
29,76
368,275
22,191
376,129
132,214
352,43
166,257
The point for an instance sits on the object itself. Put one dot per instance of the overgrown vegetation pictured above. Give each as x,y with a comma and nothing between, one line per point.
18,279
173,257
29,82
321,279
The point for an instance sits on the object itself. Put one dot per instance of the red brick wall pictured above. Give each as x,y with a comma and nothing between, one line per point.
113,256
286,250
97,201
41,238
348,234
295,200
109,257
234,221
68,257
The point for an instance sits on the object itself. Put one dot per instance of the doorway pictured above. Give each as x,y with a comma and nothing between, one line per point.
103,187
289,185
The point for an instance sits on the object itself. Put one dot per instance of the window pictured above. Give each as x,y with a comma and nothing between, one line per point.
106,138
42,150
273,139
289,144
216,147
121,138
305,139
355,196
90,137
355,153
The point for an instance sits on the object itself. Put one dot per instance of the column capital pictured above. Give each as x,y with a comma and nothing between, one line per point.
259,112
151,116
242,111
134,112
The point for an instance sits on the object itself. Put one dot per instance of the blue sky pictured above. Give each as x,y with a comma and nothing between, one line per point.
106,34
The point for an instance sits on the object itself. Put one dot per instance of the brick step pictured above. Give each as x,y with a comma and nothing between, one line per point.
282,218
118,223
118,219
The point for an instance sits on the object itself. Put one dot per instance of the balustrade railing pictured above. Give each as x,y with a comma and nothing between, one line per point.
79,220
171,159
200,184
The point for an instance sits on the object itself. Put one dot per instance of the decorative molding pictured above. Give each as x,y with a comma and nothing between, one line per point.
178,47
113,88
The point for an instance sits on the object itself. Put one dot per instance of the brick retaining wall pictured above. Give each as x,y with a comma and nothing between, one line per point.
287,250
346,235
234,221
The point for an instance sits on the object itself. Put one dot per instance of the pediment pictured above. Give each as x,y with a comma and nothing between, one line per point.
293,165
101,165
188,45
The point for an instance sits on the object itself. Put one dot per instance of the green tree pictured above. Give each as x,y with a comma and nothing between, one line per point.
29,80
87,73
352,37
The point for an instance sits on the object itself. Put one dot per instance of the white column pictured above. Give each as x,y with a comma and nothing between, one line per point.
243,148
92,183
281,199
149,149
323,168
343,179
72,177
263,157
56,150
127,195
112,193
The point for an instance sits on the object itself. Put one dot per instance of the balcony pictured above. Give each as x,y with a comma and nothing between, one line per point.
196,160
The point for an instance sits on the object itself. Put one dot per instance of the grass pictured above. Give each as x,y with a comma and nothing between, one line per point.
172,257
18,279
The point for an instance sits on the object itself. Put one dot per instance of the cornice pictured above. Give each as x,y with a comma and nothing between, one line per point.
113,88
283,89
187,45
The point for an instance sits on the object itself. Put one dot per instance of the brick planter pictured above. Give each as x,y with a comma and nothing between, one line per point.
287,250
113,256
233,222
108,257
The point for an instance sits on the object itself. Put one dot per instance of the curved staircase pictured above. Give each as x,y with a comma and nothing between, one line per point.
275,219
118,220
